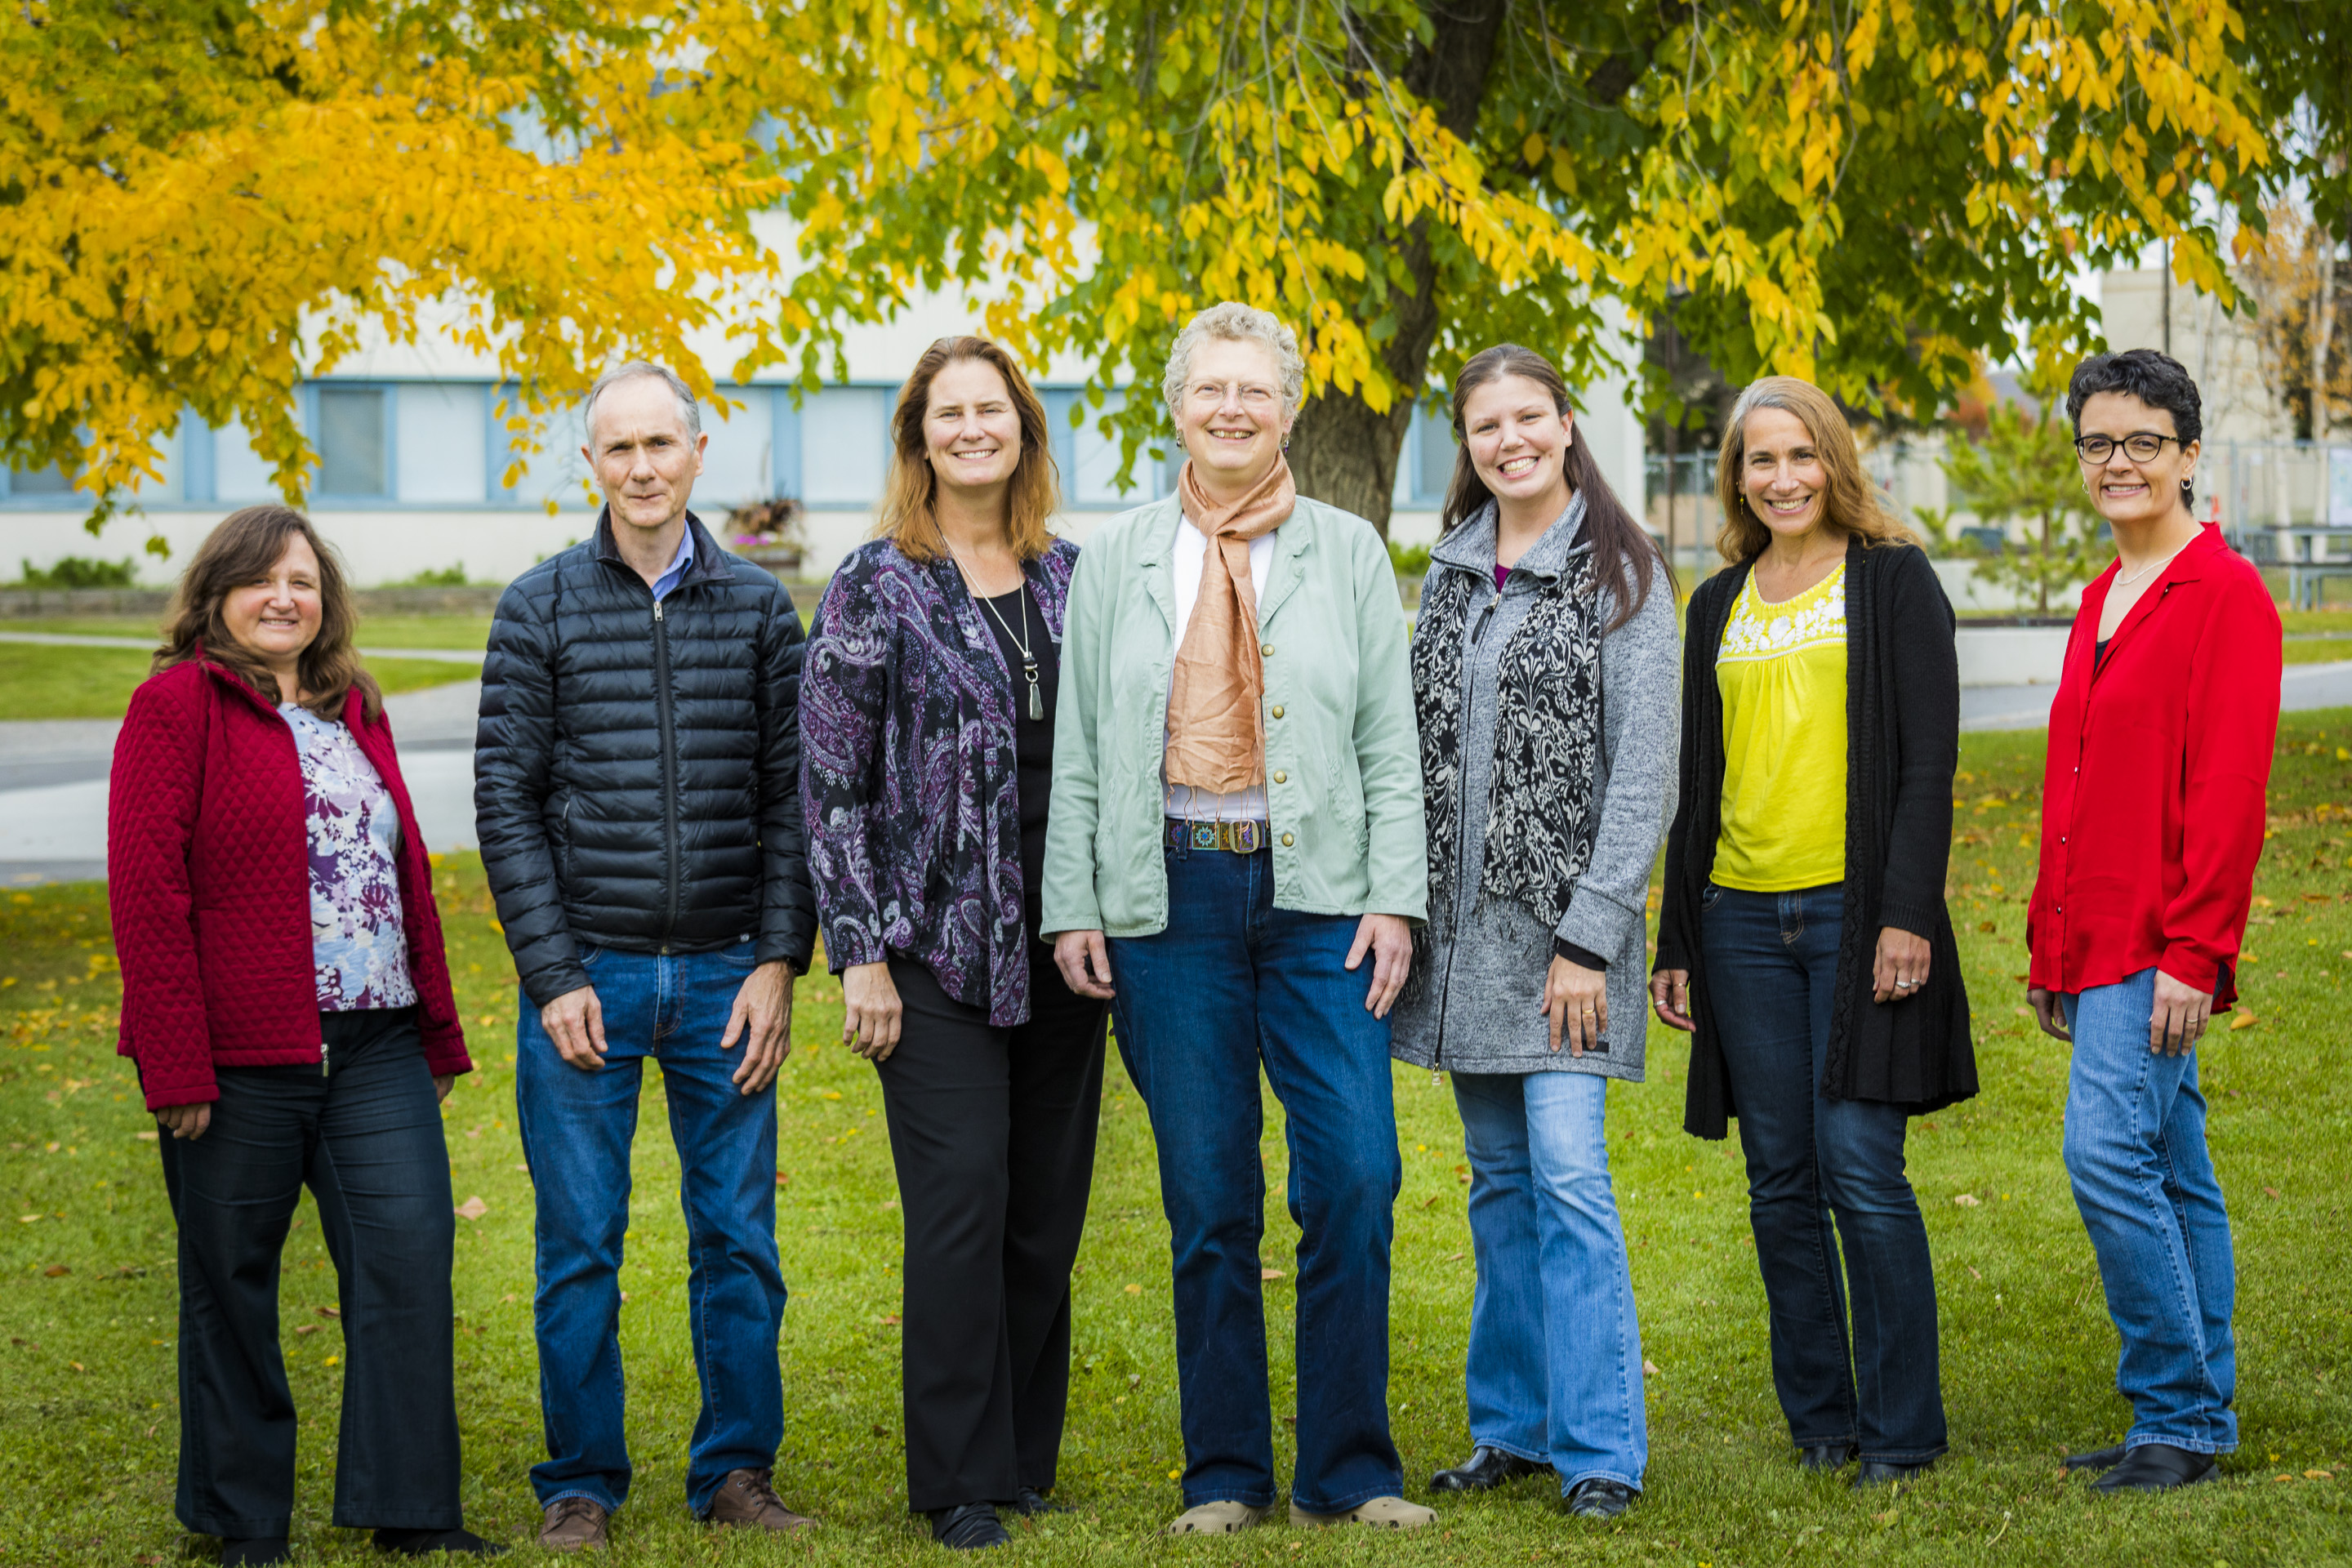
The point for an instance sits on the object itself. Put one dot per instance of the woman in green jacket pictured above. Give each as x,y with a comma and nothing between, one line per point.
1235,857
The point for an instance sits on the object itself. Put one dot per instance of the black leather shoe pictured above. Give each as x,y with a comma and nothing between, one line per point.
1825,1457
250,1551
425,1543
968,1527
1484,1471
2157,1467
2096,1460
1598,1497
1033,1502
1879,1473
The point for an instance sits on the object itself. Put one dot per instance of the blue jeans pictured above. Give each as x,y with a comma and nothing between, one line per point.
2145,1185
1555,1365
1824,1174
576,1131
1231,983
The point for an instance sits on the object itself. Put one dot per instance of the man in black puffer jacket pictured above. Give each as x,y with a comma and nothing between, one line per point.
637,795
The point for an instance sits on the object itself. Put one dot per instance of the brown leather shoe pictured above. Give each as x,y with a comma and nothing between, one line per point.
749,1496
573,1524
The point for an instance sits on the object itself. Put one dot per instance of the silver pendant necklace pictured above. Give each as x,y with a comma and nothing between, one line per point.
1021,641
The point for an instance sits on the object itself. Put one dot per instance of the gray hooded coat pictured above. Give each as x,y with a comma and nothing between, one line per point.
1604,747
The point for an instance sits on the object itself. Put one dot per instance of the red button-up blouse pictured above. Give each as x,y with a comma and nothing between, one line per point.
2152,797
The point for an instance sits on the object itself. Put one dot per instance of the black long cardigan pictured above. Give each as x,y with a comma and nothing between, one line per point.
1902,716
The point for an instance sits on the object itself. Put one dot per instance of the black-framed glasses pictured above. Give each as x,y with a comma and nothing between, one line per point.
2140,447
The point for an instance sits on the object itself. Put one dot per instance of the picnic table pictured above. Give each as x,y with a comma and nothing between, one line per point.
2314,554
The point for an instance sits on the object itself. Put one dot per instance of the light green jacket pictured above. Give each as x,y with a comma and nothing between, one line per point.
1342,753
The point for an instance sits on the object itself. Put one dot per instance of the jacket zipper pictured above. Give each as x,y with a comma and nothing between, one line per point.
1461,806
670,772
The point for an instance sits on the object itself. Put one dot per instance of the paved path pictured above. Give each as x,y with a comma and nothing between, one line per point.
53,772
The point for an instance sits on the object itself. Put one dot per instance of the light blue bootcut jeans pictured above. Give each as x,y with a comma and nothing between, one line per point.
1555,1365
577,1127
2144,1182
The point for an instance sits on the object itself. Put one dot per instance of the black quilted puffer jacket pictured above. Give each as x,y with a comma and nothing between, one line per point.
638,765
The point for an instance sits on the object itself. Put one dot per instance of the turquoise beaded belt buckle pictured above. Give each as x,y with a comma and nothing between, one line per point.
1234,837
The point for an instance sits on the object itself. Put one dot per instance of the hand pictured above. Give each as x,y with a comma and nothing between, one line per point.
1085,963
575,1022
442,1084
2048,1012
1390,941
1670,998
187,1121
1577,1001
2178,1019
762,1019
871,1010
1902,966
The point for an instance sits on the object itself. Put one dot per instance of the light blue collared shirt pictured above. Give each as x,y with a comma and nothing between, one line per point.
679,563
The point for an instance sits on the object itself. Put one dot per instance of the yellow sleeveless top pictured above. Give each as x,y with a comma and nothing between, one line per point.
1781,671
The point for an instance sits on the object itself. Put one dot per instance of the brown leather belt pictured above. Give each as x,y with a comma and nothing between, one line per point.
1233,837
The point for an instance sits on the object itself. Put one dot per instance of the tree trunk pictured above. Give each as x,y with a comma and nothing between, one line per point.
1342,451
2323,330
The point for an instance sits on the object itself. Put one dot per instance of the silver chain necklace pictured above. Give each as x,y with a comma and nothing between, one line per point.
2124,580
1021,641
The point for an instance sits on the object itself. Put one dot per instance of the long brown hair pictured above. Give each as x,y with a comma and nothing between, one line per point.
244,547
906,517
1620,545
1851,505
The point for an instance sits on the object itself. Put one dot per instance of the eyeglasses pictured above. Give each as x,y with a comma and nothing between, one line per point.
2140,447
1249,395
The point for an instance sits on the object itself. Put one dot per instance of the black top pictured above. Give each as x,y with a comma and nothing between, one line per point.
1903,722
2099,654
637,768
1033,739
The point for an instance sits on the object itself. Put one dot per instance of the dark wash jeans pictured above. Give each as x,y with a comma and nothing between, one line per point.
1231,983
1810,1158
367,1139
577,1127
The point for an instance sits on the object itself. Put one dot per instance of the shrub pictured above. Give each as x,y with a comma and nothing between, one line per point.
447,577
1410,560
77,571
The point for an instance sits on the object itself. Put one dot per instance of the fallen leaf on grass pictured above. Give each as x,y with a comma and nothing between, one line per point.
1135,1290
306,1328
1270,1274
1972,1272
1650,1369
149,1136
472,1209
328,1312
2272,1191
888,1320
2243,1021
784,1178
1968,1201
54,1269
2023,1011
78,1367
2318,1475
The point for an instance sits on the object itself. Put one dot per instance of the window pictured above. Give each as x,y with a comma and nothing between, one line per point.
239,474
845,446
1094,477
48,481
735,465
443,440
1432,455
350,442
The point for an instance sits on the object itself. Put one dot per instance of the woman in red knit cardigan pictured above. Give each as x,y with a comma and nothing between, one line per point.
285,999
2152,812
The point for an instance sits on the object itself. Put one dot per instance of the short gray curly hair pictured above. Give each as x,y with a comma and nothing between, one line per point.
1236,323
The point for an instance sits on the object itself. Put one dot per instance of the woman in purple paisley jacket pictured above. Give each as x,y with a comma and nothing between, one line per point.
926,742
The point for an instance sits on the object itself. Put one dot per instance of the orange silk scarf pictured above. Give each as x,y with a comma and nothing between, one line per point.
1216,733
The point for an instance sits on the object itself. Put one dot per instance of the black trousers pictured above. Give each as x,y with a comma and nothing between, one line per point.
367,1142
993,1133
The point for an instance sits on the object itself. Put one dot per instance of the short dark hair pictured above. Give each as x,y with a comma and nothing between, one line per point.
2156,379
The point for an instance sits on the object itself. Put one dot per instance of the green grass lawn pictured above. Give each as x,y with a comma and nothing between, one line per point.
87,1301
46,681
376,631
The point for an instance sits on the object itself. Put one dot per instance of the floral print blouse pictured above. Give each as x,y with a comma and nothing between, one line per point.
909,774
358,944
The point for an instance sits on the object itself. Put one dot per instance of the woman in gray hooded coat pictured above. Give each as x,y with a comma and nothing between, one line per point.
1545,665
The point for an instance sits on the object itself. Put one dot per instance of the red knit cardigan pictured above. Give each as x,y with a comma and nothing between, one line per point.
2152,799
208,876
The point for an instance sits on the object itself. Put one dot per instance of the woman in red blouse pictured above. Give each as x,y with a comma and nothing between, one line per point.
2152,820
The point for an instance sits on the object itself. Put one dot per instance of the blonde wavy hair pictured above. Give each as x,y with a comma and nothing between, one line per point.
1851,505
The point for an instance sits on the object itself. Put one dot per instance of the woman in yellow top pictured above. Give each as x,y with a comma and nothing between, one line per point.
1803,936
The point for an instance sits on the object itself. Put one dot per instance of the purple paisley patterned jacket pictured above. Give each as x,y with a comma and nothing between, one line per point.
907,776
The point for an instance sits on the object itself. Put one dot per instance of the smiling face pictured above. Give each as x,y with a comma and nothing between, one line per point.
1782,475
1234,420
2125,489
275,616
1519,439
644,457
971,428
